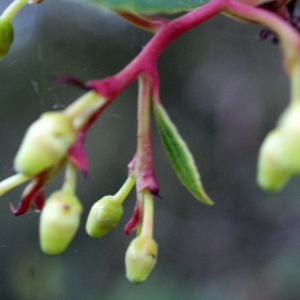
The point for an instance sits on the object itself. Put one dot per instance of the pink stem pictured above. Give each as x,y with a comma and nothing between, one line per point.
142,165
145,61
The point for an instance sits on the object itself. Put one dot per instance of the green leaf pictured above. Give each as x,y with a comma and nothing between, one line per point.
179,154
150,6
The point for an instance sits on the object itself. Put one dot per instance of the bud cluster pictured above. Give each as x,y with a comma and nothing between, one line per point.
43,153
56,140
105,214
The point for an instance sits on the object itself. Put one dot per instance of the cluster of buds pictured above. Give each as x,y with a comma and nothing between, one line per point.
105,214
52,142
56,140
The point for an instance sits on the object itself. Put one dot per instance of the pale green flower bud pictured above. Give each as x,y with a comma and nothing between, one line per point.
59,221
6,37
289,126
271,175
140,258
104,215
46,141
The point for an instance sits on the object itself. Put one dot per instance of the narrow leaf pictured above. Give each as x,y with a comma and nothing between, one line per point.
149,6
179,154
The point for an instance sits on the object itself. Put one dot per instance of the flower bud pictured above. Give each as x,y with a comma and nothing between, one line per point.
59,221
140,258
289,126
104,215
6,37
46,142
271,175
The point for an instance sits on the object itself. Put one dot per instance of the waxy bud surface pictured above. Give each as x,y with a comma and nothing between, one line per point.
104,215
59,222
140,258
271,173
45,143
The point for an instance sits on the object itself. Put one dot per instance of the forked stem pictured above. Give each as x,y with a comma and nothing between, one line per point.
145,61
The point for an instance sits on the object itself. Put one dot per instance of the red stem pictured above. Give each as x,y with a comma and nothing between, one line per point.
142,165
145,61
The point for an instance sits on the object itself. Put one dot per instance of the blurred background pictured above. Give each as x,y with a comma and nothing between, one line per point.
224,90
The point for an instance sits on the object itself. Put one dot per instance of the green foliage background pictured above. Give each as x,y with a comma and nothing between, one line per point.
224,90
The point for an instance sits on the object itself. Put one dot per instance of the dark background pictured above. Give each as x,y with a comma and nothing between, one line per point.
224,90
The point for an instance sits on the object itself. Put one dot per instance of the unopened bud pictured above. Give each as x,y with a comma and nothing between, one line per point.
140,258
289,126
45,143
6,36
104,215
59,222
271,175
